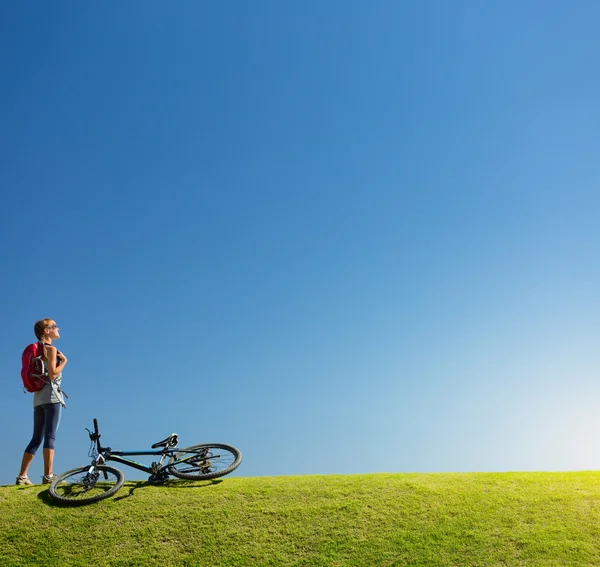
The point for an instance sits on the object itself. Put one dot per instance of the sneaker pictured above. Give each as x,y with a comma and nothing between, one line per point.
48,479
23,481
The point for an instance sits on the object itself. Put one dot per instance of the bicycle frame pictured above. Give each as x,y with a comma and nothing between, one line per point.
101,455
120,457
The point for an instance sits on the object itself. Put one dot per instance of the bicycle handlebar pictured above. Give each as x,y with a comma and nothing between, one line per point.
95,437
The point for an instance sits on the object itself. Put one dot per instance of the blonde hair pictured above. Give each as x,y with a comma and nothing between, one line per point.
39,327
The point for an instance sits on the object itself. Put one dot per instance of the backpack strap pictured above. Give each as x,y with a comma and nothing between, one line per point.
45,363
41,354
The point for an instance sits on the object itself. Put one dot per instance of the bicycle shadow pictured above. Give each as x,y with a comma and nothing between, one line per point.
193,483
129,489
45,497
144,484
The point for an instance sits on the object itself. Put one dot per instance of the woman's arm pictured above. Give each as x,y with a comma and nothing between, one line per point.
53,368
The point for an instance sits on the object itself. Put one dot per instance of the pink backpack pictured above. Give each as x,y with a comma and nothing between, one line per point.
33,371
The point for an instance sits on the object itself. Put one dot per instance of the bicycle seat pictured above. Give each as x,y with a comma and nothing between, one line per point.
170,441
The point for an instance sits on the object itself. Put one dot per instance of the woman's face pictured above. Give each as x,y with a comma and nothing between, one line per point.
51,330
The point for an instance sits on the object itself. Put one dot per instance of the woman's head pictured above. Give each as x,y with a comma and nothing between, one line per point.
44,327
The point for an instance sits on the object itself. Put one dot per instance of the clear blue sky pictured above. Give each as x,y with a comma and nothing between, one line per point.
346,237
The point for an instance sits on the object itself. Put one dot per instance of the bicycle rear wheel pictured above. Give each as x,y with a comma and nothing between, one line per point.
206,461
86,485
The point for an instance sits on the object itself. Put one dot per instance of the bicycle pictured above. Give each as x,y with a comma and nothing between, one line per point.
198,462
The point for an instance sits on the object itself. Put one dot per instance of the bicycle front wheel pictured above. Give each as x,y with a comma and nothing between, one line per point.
86,485
206,461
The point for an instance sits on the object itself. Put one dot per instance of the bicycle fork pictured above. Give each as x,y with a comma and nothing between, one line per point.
98,461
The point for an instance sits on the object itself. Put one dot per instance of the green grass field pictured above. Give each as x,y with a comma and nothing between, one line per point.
379,520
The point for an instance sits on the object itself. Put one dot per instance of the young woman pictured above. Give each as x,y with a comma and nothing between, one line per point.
47,404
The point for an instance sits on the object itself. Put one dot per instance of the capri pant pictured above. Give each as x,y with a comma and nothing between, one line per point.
45,424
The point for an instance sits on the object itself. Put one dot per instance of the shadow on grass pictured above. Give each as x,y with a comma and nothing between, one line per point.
193,483
45,497
133,486
128,490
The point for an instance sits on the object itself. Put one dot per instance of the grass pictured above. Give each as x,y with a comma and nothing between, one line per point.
379,520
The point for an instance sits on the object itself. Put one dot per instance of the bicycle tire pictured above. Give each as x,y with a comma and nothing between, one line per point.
203,463
80,486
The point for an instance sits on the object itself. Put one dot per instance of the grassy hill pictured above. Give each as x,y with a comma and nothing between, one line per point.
379,520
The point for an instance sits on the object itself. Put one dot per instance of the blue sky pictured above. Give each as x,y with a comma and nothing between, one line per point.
346,237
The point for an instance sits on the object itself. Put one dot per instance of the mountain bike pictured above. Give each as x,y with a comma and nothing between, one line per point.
98,481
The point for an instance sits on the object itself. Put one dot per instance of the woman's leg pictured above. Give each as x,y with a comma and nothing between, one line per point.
27,458
52,413
36,439
48,461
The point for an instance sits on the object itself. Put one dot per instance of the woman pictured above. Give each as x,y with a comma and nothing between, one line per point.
47,404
